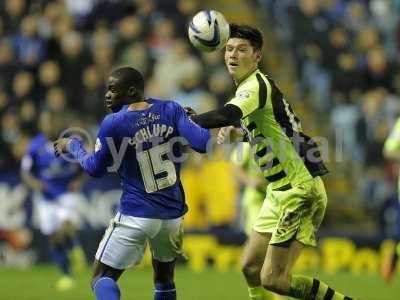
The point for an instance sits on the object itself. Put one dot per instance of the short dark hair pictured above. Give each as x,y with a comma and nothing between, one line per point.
253,35
130,77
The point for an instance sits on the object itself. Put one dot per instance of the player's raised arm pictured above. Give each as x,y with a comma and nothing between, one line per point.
26,173
194,134
225,116
249,97
96,163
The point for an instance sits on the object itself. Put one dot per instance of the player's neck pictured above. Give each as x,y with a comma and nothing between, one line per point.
238,81
141,105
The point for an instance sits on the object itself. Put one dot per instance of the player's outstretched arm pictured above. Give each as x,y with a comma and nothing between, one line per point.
228,115
195,135
244,103
96,163
28,178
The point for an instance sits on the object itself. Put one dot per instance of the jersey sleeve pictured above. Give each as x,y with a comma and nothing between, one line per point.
392,142
196,136
246,97
96,163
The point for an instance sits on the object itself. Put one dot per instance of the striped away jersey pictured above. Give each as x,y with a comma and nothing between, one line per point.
283,152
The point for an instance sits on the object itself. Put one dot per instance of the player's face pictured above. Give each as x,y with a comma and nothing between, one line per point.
240,58
115,95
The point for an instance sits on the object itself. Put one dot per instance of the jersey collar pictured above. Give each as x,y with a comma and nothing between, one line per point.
246,78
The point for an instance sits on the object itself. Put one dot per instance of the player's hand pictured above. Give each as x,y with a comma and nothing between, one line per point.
189,111
60,146
223,135
229,134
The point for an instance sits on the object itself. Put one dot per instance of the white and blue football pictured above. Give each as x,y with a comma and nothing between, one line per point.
208,30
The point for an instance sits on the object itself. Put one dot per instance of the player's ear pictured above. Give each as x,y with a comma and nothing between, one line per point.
132,91
258,53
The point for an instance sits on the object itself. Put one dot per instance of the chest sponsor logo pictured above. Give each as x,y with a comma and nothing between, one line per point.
146,119
243,95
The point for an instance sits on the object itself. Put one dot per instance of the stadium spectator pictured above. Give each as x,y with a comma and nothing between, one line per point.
49,75
23,87
27,44
8,65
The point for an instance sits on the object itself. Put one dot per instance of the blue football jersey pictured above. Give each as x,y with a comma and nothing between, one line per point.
55,172
144,147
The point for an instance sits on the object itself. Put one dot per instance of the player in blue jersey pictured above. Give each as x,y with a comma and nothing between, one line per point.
139,141
55,182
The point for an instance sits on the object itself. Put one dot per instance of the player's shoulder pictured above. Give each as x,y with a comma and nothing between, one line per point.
110,118
36,142
164,102
248,90
167,104
107,126
397,125
250,83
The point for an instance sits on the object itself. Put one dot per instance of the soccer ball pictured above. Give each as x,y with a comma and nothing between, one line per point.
208,30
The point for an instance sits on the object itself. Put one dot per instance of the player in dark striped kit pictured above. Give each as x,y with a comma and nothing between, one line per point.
290,160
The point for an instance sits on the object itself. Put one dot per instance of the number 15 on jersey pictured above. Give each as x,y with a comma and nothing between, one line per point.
151,163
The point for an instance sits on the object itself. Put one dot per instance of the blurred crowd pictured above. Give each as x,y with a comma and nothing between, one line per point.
55,55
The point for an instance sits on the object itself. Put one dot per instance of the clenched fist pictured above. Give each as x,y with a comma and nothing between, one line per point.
229,134
60,146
